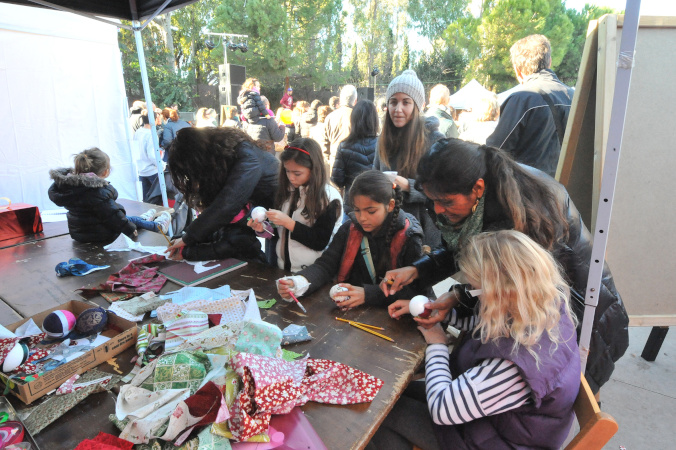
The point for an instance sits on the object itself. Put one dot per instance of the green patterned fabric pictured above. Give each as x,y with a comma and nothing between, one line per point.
210,441
260,338
288,355
266,304
455,235
179,371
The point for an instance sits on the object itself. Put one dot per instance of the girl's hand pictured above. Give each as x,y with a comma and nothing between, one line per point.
440,309
355,295
402,183
434,335
395,280
398,309
277,217
284,286
175,249
256,226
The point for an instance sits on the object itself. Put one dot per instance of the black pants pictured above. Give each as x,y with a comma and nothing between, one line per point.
146,185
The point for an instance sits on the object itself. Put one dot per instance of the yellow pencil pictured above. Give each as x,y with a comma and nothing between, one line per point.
165,236
359,323
371,331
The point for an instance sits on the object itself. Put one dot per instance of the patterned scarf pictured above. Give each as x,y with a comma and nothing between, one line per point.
456,235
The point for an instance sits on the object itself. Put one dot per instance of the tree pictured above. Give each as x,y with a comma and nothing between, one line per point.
441,66
431,17
353,66
404,62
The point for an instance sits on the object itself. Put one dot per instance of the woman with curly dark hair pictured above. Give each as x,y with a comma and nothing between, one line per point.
221,173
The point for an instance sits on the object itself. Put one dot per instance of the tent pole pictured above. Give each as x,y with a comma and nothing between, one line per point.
618,113
151,112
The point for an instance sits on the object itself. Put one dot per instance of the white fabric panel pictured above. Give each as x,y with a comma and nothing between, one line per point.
61,91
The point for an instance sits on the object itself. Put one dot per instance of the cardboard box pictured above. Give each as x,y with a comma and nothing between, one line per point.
122,334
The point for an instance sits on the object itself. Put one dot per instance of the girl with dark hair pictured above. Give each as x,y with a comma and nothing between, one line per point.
356,153
477,188
309,209
93,213
389,237
407,135
221,173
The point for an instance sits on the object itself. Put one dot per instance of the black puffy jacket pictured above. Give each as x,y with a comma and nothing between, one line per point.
258,124
253,178
610,335
352,158
93,214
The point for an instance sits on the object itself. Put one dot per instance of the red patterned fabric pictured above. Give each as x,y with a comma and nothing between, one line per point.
274,386
135,277
105,441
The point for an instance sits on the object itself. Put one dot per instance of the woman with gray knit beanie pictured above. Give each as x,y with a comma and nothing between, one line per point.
406,136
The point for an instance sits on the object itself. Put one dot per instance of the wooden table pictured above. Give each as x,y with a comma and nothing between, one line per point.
28,285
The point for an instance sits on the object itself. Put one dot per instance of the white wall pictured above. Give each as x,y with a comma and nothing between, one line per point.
61,91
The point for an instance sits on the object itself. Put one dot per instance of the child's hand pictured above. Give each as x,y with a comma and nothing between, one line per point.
395,280
402,183
398,309
257,226
355,297
175,250
440,309
434,335
277,217
284,286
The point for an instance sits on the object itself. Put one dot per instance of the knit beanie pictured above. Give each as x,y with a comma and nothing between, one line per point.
409,84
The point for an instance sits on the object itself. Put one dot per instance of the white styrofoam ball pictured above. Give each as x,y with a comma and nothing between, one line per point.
15,357
417,306
259,214
335,291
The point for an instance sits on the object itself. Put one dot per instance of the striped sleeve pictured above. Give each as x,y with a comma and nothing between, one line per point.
464,323
493,387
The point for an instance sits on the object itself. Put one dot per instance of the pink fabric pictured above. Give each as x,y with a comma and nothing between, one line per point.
134,278
274,386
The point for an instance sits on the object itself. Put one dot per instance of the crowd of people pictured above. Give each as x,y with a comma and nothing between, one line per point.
388,198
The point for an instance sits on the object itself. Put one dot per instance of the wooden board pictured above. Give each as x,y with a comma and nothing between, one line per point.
641,244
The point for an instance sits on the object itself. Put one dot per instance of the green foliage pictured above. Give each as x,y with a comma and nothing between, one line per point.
404,60
444,67
431,17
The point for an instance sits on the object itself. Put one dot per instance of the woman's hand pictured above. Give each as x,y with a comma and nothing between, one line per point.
398,309
277,217
395,280
284,286
402,183
256,226
176,249
440,309
434,335
355,297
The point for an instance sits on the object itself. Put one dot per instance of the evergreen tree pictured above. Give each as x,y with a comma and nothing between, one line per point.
405,54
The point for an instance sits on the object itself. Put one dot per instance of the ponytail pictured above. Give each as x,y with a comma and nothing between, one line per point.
92,160
398,200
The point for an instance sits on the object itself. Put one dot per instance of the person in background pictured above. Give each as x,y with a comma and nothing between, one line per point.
266,102
221,172
317,131
479,188
334,102
440,97
381,106
230,115
258,124
301,126
205,118
287,99
171,127
146,163
533,118
93,214
512,380
310,117
390,235
357,152
485,113
308,209
405,138
135,113
337,126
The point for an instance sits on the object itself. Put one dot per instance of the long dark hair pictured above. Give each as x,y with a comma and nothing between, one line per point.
405,145
453,166
201,159
375,185
316,199
363,121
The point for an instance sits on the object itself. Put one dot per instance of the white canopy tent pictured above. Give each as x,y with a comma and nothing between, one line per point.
463,97
61,91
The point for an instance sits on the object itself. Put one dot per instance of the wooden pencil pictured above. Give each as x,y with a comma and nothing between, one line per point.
371,331
165,236
359,323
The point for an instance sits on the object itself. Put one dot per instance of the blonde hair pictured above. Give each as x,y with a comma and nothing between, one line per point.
523,292
440,95
249,84
486,108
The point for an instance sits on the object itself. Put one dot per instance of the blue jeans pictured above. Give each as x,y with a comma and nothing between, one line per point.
143,224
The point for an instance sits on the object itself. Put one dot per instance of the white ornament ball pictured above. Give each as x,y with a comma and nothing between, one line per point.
259,214
417,306
335,291
16,356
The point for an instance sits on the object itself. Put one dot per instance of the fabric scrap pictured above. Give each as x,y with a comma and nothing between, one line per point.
76,267
179,371
231,309
295,333
124,244
288,355
117,309
261,338
113,297
71,385
210,441
142,304
266,304
135,277
197,410
105,441
185,325
191,293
